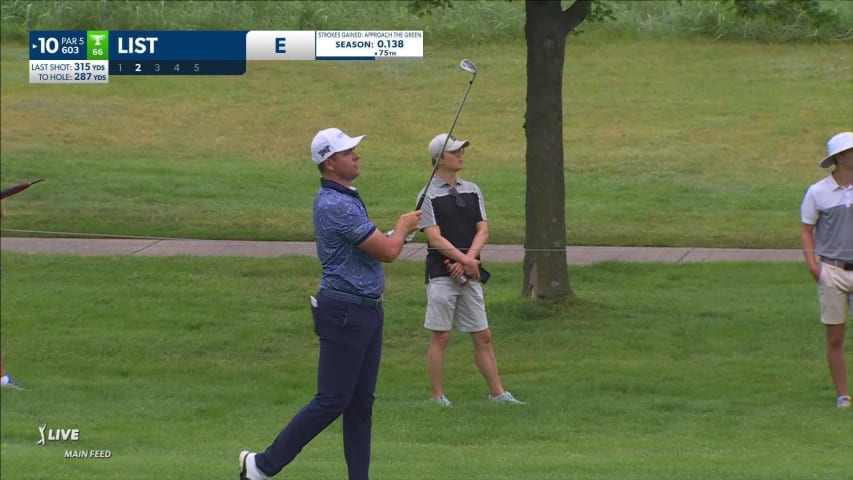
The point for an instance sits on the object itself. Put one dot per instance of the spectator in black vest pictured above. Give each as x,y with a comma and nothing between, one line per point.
454,222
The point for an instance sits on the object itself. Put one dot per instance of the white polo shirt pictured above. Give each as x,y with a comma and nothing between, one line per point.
829,207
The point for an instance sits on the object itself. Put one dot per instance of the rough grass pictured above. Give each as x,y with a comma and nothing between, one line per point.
671,143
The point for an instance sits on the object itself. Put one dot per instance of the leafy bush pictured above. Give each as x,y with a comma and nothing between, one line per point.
446,22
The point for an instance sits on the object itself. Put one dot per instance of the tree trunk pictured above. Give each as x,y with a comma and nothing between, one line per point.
546,275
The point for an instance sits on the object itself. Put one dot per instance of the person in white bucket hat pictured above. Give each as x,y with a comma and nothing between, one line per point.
827,240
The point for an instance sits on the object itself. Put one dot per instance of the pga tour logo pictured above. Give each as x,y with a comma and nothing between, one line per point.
58,434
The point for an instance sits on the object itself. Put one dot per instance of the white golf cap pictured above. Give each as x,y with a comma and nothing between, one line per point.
837,144
331,141
452,145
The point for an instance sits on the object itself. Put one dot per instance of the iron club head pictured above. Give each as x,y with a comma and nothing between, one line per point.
468,66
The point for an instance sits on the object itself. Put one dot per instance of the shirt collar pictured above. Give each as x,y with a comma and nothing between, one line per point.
838,186
439,182
324,183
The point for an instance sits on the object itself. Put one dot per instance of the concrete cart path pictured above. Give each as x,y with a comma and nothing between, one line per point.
576,255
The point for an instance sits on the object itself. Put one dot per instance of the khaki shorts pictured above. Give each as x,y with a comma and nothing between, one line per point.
835,294
449,303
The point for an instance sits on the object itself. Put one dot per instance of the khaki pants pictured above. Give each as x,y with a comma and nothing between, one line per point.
835,294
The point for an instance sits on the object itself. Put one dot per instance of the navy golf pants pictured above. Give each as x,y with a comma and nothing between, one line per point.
350,348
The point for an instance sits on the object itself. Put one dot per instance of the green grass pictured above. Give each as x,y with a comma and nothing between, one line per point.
701,371
666,19
655,372
671,143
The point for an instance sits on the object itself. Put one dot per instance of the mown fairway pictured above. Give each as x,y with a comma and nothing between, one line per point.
657,372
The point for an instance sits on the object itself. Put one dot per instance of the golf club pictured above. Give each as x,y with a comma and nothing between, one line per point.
469,67
18,188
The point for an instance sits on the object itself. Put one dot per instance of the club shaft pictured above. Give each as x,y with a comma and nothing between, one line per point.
456,117
422,197
18,188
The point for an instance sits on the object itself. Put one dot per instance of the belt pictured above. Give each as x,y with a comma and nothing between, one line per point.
838,263
369,302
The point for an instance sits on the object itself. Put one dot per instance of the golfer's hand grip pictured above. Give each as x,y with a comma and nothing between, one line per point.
408,238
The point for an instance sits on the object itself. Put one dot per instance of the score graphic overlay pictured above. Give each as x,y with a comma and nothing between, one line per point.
177,53
68,57
92,56
334,45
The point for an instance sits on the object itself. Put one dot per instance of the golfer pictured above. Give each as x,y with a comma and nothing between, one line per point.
348,314
454,222
827,240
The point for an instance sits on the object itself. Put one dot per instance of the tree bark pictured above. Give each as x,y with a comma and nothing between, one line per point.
546,275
